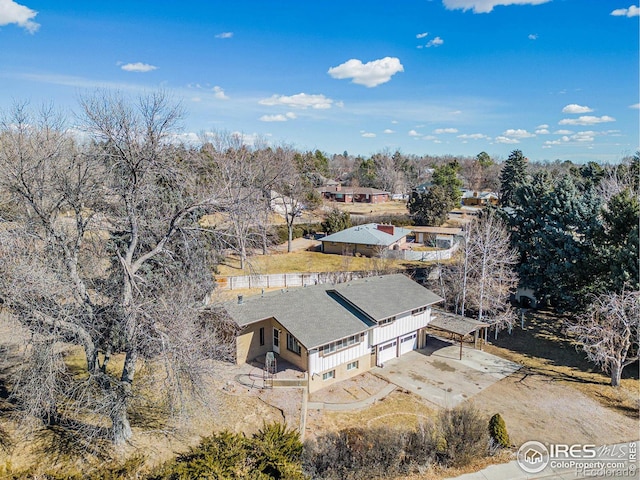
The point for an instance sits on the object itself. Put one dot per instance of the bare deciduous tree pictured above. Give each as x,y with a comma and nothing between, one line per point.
609,332
484,277
105,255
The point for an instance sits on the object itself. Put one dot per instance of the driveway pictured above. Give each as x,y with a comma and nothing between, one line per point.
437,374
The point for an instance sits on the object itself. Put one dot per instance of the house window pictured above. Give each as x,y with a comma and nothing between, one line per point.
340,344
329,375
352,365
292,344
261,336
418,310
385,321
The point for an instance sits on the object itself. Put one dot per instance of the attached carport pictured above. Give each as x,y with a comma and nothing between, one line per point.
458,326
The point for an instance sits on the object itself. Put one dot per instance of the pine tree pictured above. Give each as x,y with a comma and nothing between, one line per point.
512,176
554,229
430,208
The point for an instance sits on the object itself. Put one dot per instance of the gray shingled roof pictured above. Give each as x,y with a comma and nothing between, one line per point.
385,296
367,235
314,315
318,314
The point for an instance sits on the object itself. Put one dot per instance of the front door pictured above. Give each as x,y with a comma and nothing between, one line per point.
276,340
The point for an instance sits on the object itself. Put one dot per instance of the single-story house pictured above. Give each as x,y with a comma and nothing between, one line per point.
473,198
334,332
440,237
338,193
370,240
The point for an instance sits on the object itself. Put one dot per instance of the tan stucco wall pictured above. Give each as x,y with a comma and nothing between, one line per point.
248,341
364,364
248,344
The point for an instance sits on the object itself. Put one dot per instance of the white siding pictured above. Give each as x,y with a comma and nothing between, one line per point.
318,363
403,325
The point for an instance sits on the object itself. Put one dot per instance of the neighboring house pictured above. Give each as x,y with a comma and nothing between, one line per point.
370,240
338,193
334,332
473,198
440,237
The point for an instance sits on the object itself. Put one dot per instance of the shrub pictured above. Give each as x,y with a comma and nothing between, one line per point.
271,454
498,431
464,432
277,451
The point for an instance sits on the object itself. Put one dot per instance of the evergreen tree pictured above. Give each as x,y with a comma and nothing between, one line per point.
336,221
619,242
554,229
512,176
446,176
431,207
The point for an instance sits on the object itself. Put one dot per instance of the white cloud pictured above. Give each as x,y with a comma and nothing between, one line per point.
368,135
507,140
279,117
225,35
574,108
486,6
542,131
370,74
473,136
196,99
632,11
518,133
218,92
563,132
413,133
388,131
422,35
299,100
12,12
533,36
588,136
273,118
586,120
436,42
138,67
544,125
439,131
635,106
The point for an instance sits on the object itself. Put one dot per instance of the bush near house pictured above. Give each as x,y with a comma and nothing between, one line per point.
453,438
274,452
498,431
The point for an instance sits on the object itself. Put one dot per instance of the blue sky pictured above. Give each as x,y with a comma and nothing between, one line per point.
557,79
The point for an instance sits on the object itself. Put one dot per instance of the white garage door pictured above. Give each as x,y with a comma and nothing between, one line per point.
408,343
387,351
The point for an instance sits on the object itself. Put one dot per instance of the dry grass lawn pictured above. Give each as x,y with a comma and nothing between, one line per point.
306,261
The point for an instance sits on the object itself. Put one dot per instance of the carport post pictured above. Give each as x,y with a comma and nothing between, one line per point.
460,347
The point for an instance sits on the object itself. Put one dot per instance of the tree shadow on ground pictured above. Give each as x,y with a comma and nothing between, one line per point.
551,352
544,337
69,440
